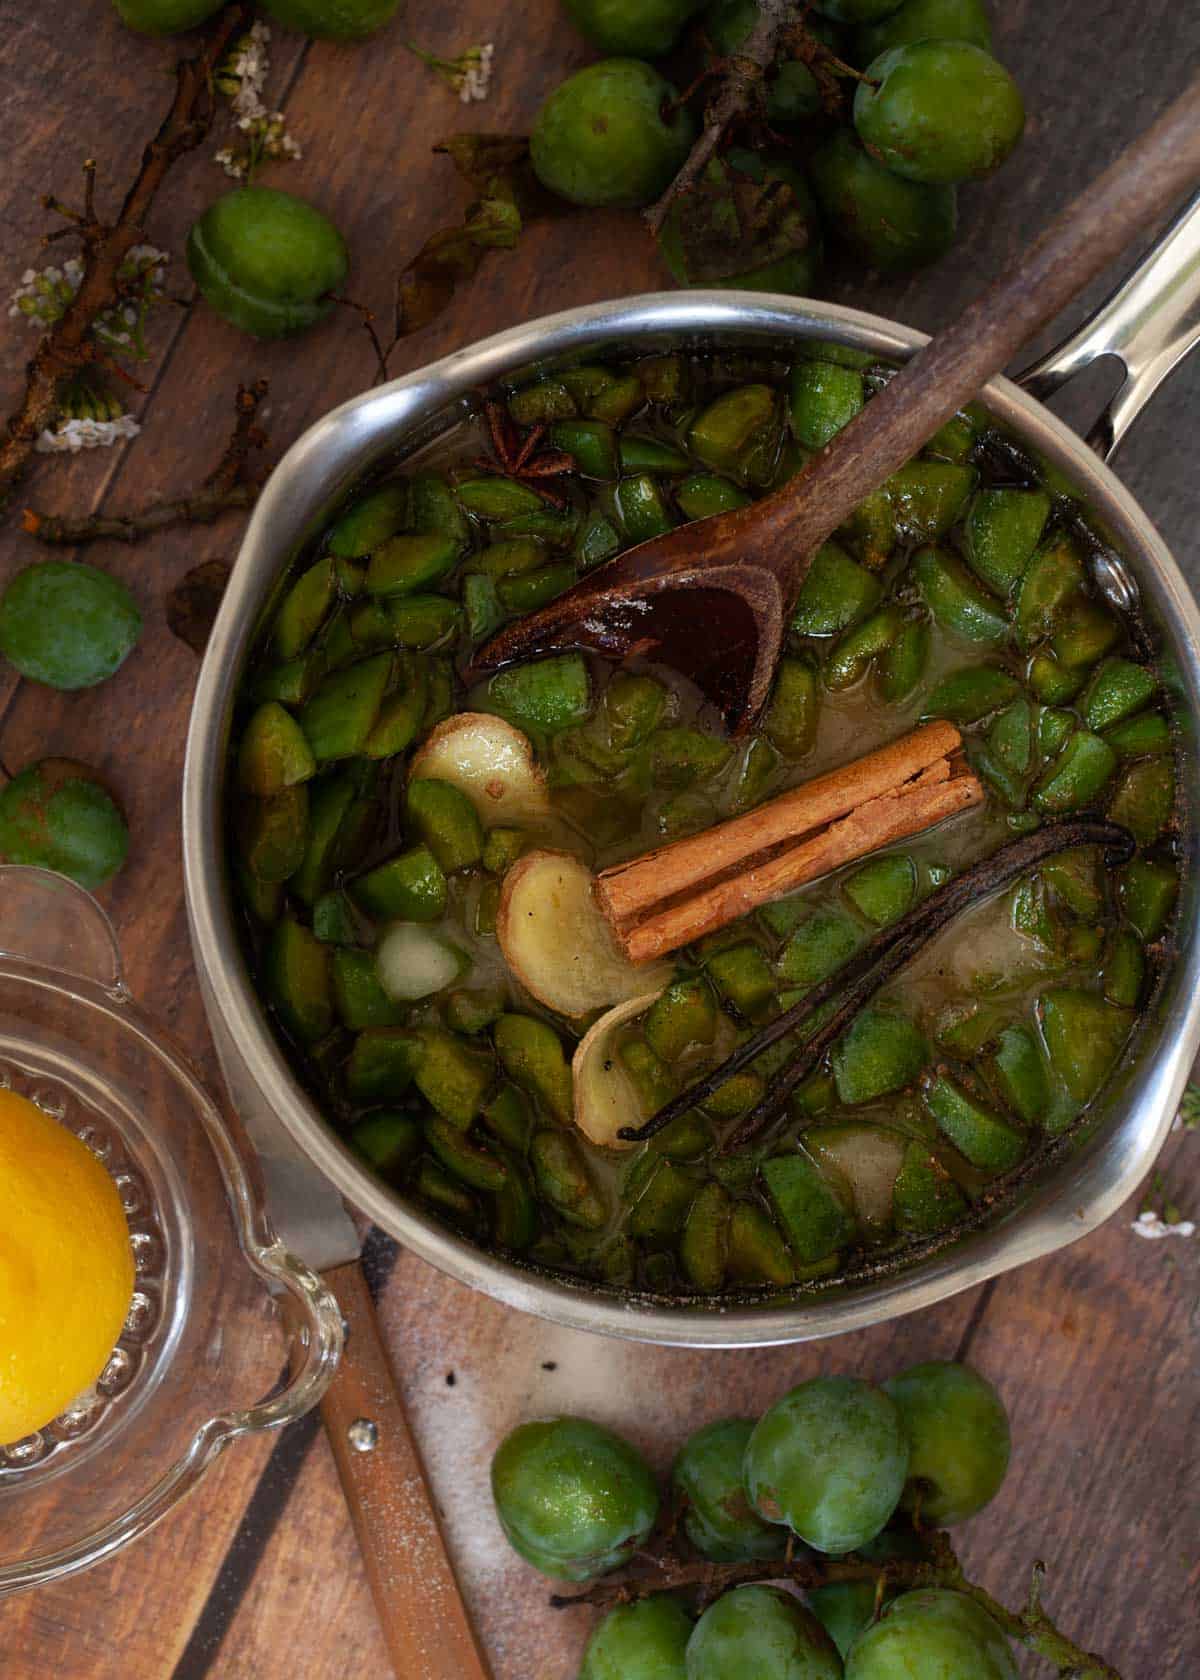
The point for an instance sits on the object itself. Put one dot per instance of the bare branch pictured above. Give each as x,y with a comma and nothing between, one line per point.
69,345
668,1569
741,88
231,484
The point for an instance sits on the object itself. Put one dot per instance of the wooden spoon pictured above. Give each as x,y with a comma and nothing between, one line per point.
712,599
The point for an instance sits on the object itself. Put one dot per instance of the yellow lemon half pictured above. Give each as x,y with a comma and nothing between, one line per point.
66,1267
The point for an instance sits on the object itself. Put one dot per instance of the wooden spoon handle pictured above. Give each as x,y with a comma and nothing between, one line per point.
1144,182
421,1612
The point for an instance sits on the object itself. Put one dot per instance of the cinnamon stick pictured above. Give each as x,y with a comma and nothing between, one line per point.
678,893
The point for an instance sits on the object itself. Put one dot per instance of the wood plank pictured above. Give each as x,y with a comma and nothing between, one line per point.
1095,1353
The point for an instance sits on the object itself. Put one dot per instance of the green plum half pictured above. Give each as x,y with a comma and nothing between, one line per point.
67,624
267,261
644,1641
936,1634
57,814
717,1518
938,111
610,135
958,1438
637,28
829,1460
760,1633
886,222
573,1498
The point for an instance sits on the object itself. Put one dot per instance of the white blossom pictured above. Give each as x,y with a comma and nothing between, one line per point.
469,75
243,78
476,72
73,435
1153,1226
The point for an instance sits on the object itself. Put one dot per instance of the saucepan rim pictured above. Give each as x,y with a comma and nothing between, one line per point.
316,473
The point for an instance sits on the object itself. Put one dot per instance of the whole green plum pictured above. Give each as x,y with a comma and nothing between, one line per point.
644,1641
958,1438
573,1498
845,1608
637,28
888,223
707,1477
610,135
333,20
760,1633
66,624
934,1633
58,814
796,271
938,111
830,1461
165,17
267,261
925,20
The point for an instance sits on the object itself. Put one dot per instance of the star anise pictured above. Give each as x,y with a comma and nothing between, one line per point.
521,457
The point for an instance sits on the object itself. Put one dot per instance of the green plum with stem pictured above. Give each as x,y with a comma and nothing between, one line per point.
958,1437
938,112
267,261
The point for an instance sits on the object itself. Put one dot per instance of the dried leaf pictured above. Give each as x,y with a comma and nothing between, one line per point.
192,604
732,223
450,256
479,157
508,195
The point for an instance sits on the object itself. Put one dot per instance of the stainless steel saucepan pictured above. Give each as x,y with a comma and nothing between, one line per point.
1150,323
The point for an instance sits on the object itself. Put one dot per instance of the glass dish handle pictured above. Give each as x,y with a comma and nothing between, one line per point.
51,922
1149,324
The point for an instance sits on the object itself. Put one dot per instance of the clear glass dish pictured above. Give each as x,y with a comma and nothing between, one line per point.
227,1334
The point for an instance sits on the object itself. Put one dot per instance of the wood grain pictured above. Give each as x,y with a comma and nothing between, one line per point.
1094,1350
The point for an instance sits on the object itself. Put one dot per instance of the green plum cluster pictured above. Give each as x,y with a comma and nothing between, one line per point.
909,103
837,1466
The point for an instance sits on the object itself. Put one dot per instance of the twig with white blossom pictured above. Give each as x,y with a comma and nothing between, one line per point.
70,345
233,483
469,74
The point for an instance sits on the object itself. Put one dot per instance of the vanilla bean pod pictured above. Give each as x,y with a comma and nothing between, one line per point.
868,969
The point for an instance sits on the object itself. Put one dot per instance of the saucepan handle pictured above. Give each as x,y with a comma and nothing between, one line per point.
1149,324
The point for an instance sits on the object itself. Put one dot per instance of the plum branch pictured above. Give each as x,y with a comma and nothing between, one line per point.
741,88
69,346
233,483
668,1569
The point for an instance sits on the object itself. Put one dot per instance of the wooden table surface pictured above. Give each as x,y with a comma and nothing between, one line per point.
257,1578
